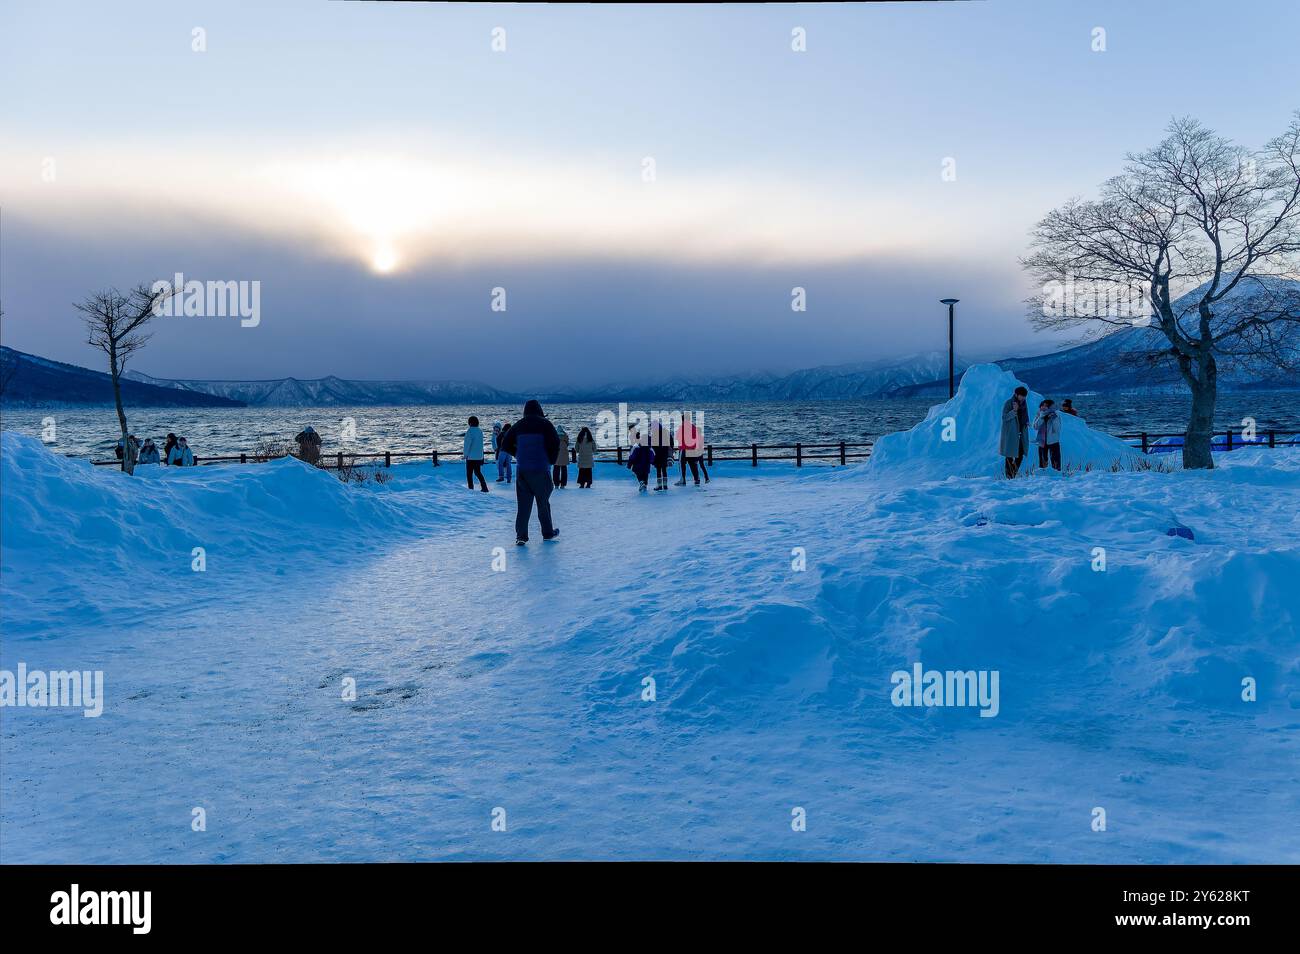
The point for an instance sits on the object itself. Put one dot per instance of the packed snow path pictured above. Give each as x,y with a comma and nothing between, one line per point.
523,689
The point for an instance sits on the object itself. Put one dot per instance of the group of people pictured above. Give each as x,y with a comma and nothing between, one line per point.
534,455
1014,440
175,451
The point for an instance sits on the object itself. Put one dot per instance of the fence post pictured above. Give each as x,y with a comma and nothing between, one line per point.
1227,444
710,450
1272,441
340,460
620,454
843,457
798,454
435,457
753,450
573,454
388,459
1144,442
243,458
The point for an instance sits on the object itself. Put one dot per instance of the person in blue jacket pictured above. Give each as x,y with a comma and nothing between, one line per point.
639,462
533,443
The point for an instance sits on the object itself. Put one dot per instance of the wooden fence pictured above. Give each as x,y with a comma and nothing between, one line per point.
838,452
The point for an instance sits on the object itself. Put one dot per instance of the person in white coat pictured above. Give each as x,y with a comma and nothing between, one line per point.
1047,426
474,455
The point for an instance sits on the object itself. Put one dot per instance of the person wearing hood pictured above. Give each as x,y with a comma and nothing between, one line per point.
474,455
308,445
534,444
149,452
560,472
503,462
585,446
181,455
1047,427
1014,441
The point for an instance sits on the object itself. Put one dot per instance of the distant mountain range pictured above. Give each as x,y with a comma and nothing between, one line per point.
335,392
31,380
1102,365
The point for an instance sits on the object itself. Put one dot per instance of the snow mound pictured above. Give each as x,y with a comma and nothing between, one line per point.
85,539
971,422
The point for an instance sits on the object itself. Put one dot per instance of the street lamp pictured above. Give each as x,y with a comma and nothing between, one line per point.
951,378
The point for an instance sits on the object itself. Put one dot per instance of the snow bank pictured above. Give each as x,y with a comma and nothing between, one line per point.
972,420
92,541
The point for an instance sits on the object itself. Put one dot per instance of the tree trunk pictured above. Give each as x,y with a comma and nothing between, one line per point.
1200,429
128,459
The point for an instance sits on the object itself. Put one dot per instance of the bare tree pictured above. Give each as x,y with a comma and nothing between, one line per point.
115,323
1207,234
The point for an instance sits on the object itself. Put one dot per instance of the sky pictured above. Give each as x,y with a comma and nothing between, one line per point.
641,187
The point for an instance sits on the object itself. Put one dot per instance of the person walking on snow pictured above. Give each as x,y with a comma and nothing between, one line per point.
1047,426
690,443
661,438
504,469
1014,441
308,445
474,455
533,442
639,462
585,445
560,472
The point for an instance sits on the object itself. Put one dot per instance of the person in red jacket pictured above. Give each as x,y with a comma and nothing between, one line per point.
690,441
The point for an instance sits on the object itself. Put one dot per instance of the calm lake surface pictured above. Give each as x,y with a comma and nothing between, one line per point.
92,431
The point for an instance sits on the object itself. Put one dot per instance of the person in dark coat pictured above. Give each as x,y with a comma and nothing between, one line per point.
661,440
639,462
586,451
308,444
534,444
167,448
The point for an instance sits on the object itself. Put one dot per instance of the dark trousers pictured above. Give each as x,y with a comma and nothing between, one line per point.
474,468
560,475
1012,466
533,485
584,476
1052,450
696,465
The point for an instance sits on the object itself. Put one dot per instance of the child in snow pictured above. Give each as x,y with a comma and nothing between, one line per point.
1048,426
639,462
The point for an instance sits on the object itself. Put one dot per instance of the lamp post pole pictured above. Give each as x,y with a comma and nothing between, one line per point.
952,388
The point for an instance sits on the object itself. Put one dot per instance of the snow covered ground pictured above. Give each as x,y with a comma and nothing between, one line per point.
524,689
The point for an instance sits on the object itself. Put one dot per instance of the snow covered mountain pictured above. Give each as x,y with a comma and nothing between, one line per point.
334,391
34,381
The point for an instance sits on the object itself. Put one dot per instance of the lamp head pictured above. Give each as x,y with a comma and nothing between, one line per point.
949,301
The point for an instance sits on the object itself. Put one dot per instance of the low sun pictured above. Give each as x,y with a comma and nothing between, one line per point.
384,260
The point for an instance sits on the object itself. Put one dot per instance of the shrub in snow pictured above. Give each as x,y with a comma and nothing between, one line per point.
960,437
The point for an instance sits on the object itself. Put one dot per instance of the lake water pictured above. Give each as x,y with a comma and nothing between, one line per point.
92,431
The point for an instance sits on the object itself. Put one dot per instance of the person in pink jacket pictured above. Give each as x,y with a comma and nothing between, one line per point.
690,441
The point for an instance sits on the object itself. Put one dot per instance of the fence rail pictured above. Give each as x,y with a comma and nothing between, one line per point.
838,451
